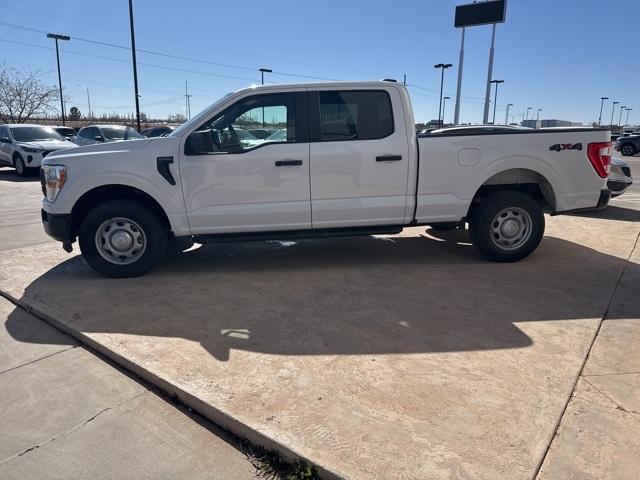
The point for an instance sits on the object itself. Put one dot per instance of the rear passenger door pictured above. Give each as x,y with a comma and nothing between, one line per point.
358,158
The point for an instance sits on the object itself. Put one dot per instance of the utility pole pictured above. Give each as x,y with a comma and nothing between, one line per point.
623,107
444,104
66,39
602,99
456,116
135,67
187,100
443,67
262,72
506,117
614,109
89,103
487,99
404,80
495,101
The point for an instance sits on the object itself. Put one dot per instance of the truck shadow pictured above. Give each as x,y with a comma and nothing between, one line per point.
10,175
612,212
354,296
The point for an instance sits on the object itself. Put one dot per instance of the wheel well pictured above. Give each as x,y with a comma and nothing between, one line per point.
111,192
519,180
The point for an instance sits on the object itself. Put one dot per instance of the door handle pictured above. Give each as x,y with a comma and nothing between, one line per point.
389,158
288,163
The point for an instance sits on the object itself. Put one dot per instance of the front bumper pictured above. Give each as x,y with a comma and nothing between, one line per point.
57,227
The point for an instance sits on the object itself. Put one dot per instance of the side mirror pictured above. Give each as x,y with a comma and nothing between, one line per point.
98,138
199,143
4,140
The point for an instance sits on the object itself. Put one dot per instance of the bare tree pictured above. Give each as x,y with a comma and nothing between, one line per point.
24,94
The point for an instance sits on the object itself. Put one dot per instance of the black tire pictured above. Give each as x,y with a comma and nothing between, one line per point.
146,224
177,245
491,215
628,150
20,166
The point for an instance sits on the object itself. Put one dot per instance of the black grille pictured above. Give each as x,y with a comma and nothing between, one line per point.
44,190
626,171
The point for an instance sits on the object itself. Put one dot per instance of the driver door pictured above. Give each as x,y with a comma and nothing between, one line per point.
234,182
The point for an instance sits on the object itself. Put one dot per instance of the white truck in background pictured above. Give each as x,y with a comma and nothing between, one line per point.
342,159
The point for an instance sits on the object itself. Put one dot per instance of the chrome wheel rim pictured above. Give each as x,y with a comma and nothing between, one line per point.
19,166
120,241
511,228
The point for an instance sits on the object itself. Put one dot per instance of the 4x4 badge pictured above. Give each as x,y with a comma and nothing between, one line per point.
565,146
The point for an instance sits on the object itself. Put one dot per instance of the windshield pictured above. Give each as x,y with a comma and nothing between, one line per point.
33,134
243,134
65,131
120,133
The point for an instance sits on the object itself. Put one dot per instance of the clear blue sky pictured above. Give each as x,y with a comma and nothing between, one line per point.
559,55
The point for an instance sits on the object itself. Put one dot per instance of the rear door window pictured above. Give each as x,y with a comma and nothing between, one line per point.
354,115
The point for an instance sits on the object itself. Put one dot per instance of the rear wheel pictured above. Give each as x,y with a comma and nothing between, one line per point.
627,150
506,226
121,238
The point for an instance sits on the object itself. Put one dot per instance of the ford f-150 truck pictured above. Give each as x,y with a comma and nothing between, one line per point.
345,159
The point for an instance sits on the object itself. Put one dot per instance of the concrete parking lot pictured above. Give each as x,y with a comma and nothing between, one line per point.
380,357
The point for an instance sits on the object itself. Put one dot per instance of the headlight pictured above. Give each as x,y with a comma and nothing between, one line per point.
54,177
31,149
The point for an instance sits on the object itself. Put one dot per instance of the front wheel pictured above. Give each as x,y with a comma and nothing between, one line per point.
19,165
506,226
121,238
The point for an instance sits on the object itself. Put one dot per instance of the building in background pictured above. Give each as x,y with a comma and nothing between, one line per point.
550,123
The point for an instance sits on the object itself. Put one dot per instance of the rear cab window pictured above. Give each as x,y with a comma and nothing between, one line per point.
342,115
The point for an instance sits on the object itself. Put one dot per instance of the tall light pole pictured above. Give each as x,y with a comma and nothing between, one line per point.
538,117
527,116
187,99
65,38
506,117
602,99
443,67
262,72
456,115
88,99
623,107
495,101
135,67
613,110
487,100
444,104
627,121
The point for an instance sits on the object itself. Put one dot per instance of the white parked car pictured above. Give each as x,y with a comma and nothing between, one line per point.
106,133
351,164
23,146
619,177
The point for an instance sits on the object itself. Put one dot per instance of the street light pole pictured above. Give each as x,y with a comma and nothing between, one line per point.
601,105
487,100
614,109
623,107
444,104
627,121
443,67
262,72
56,38
506,117
527,116
538,117
135,67
495,101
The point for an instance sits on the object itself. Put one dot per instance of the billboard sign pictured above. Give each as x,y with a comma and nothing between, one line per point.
482,13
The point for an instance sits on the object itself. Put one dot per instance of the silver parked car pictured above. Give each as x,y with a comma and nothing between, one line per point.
619,178
106,133
23,146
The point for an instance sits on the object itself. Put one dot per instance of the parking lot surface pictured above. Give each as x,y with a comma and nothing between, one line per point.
405,357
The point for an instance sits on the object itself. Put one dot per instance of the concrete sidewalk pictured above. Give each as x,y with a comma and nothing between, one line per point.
406,356
67,414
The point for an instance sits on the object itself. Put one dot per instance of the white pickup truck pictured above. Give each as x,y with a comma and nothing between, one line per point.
336,159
